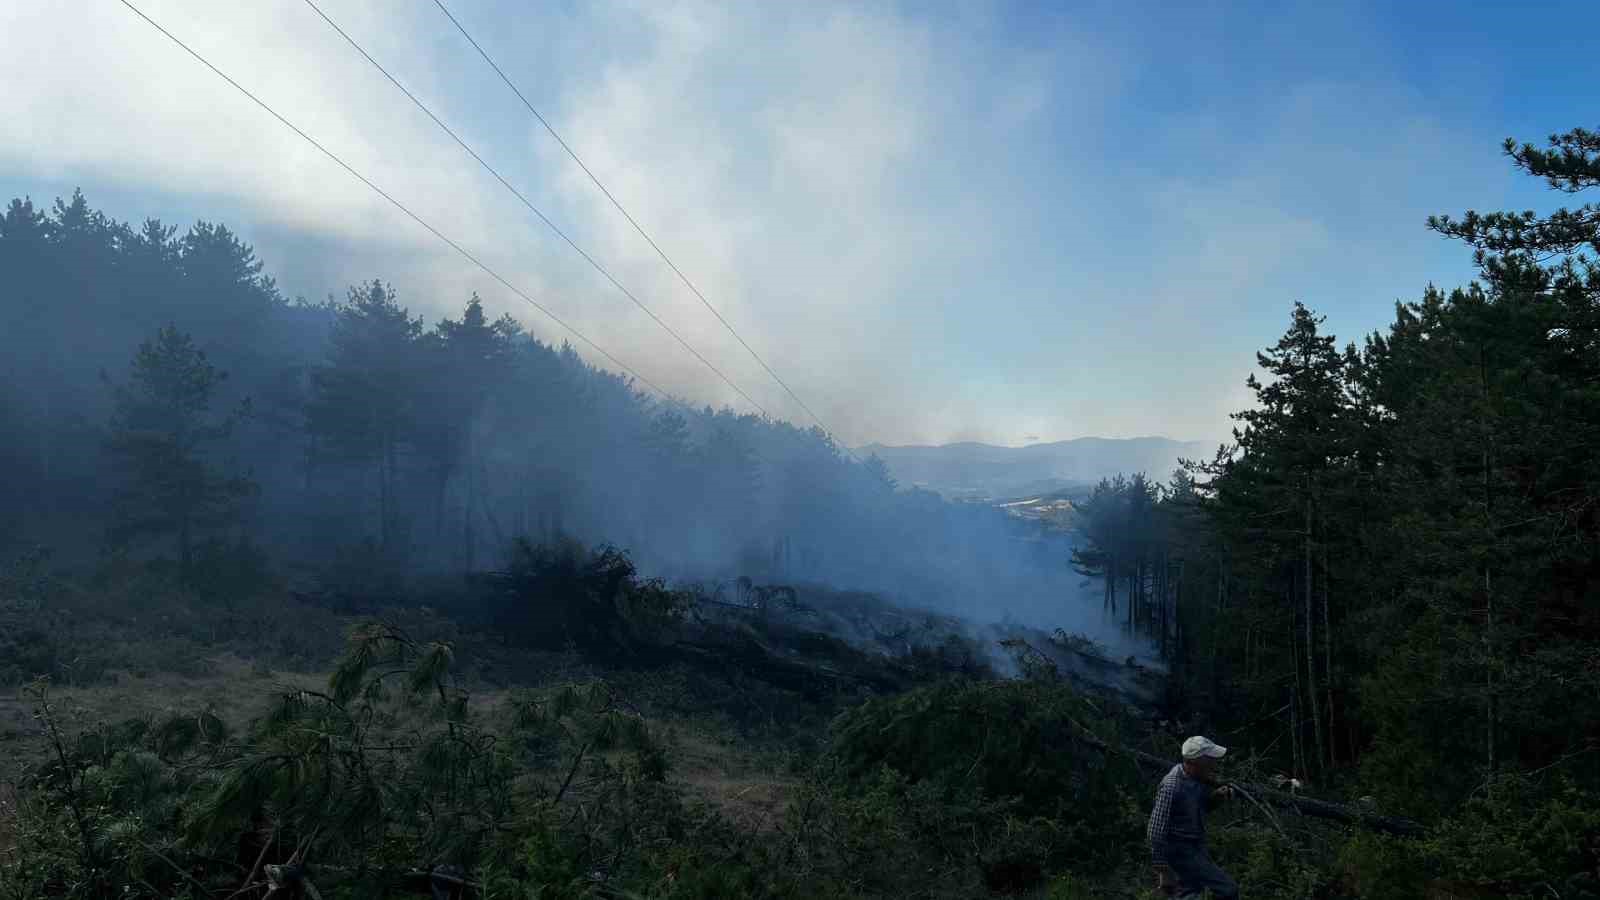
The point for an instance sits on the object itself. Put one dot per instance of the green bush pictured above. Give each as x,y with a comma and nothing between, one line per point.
99,813
1521,839
363,576
1378,867
25,582
386,769
29,619
26,652
999,766
562,594
1269,865
226,572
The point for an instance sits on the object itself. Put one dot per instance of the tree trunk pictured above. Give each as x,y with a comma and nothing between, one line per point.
1174,614
1110,602
1491,712
1146,577
1151,585
1148,582
385,493
1177,609
46,493
441,486
1327,656
1311,649
469,507
497,534
1294,698
1165,612
389,537
1222,604
1164,599
1133,602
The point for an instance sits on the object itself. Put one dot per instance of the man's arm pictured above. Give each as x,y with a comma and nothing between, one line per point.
1160,814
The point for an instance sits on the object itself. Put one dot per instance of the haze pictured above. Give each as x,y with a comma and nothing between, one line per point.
995,223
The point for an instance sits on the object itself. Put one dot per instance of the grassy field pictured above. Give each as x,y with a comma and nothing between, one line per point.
708,758
143,650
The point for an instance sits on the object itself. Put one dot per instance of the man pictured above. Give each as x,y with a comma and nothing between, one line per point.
1177,829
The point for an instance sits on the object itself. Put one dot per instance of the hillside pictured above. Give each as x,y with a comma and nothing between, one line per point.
972,471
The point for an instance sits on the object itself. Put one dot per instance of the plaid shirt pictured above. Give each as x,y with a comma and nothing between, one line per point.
1178,815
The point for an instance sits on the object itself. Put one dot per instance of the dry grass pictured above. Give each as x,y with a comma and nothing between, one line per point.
236,689
744,790
743,786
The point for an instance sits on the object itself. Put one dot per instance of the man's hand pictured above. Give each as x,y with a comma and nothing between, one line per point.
1222,793
1163,877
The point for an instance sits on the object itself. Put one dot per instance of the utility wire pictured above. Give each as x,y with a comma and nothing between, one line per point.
397,204
526,202
631,221
406,210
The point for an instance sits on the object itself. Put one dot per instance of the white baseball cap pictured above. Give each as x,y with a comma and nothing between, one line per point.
1198,746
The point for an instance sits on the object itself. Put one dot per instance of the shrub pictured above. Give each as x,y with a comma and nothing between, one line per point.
227,571
1002,760
1269,865
1521,838
386,770
25,582
362,577
562,594
25,653
1378,867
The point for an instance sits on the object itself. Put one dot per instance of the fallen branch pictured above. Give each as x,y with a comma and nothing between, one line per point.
1239,789
413,880
1322,809
250,879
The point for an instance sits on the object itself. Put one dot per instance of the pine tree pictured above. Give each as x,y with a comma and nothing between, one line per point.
363,407
729,481
24,350
1298,437
160,431
468,363
1505,244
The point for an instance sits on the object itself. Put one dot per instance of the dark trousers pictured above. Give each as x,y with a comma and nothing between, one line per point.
1195,873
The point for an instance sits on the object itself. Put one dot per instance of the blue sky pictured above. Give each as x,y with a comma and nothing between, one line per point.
938,222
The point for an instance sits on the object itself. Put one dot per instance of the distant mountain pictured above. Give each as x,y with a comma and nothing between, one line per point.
970,471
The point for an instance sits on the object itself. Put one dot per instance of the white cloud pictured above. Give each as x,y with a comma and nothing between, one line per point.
94,91
928,233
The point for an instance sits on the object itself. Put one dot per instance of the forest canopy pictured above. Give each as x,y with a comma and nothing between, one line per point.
1389,575
352,426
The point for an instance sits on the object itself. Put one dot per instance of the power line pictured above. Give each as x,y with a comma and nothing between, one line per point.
631,221
526,202
397,204
406,210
